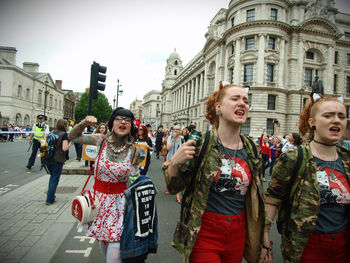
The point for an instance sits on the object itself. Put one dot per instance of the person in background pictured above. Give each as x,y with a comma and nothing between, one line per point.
159,141
265,152
101,128
41,130
164,150
78,150
55,166
222,215
316,228
292,139
142,138
345,141
273,142
151,136
185,134
118,160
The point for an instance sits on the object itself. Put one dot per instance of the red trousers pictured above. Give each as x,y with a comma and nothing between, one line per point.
220,239
324,248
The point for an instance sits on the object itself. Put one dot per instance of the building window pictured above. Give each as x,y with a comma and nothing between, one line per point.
250,15
270,127
271,102
27,94
347,34
231,75
335,83
59,105
347,85
39,97
245,128
308,77
248,72
270,69
336,57
19,91
250,99
175,72
348,59
304,102
273,14
249,43
271,44
232,21
310,55
175,63
55,103
50,102
232,49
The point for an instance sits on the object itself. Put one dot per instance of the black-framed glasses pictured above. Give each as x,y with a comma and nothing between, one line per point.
120,119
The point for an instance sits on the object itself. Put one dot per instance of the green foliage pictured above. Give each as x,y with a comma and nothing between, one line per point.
101,108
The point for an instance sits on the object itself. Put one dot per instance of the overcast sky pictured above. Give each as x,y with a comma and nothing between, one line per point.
133,38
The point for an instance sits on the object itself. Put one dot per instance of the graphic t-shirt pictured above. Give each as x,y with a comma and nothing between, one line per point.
227,192
335,196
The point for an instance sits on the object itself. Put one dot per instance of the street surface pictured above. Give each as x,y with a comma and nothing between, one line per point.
73,246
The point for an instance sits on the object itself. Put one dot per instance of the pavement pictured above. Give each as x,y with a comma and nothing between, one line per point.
31,231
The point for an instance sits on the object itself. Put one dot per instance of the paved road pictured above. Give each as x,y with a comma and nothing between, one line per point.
33,232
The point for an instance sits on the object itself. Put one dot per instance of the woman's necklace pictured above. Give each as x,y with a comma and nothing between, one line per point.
332,175
117,150
234,150
326,144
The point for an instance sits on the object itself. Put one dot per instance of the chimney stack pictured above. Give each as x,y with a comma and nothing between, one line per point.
8,53
30,66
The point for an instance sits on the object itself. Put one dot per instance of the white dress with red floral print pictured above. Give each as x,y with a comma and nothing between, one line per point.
108,224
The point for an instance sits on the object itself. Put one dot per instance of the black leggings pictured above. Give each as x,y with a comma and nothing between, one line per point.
265,159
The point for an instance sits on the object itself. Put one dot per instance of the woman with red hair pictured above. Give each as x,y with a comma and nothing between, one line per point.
142,138
310,187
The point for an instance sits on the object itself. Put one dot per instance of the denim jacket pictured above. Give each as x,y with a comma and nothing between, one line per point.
140,234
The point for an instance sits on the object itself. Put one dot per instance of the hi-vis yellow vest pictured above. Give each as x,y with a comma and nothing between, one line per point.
39,132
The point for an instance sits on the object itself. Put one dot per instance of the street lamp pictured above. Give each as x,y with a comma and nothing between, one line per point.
301,98
46,83
188,107
119,92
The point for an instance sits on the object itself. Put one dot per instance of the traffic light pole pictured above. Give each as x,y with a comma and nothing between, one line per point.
91,90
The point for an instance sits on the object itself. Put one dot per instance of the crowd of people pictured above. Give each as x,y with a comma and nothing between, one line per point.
226,214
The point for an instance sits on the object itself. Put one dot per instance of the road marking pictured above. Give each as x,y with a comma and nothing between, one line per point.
85,252
83,238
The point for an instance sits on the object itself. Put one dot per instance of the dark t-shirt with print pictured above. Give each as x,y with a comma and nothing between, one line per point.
227,192
335,196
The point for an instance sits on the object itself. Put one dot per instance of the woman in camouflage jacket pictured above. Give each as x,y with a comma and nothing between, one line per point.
227,185
316,210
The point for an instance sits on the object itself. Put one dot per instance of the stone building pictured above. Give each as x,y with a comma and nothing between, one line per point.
24,92
151,108
136,108
275,47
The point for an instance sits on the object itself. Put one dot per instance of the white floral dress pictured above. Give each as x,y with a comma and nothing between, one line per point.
108,224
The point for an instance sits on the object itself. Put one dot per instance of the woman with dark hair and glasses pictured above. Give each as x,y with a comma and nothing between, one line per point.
117,161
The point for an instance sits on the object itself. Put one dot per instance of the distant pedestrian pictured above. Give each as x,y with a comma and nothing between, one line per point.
40,129
159,141
265,152
55,165
142,138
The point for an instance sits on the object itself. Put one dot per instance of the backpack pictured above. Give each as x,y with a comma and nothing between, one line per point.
284,209
52,141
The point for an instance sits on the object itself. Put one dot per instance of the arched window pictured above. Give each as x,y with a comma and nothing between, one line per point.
18,119
175,63
26,120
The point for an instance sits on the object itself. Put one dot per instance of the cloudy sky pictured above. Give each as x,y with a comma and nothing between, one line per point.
133,38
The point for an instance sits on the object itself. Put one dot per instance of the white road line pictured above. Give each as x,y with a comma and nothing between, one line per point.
85,252
83,238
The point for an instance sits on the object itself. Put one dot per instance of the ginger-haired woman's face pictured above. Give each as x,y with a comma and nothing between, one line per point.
329,121
234,105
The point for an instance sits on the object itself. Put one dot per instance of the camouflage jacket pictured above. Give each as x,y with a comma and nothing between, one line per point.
305,202
195,204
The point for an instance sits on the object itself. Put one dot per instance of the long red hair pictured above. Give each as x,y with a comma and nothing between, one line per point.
144,132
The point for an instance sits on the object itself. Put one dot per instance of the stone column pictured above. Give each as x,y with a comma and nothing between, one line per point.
260,67
280,80
237,69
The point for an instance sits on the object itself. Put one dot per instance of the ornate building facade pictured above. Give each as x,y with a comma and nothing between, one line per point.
151,108
26,92
277,48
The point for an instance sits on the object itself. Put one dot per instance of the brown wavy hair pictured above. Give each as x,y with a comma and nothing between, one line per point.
215,97
310,111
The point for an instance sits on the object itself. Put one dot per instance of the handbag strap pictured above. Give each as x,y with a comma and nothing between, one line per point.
93,169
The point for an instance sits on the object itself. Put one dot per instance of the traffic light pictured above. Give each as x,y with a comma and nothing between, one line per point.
97,79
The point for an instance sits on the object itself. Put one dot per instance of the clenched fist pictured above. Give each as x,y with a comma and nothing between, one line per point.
90,121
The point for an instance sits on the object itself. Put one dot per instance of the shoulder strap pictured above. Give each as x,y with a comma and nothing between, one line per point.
203,150
296,169
253,146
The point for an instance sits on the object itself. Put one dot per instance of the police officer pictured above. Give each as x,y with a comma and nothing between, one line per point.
40,129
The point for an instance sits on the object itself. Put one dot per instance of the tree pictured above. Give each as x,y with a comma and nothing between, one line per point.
101,108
